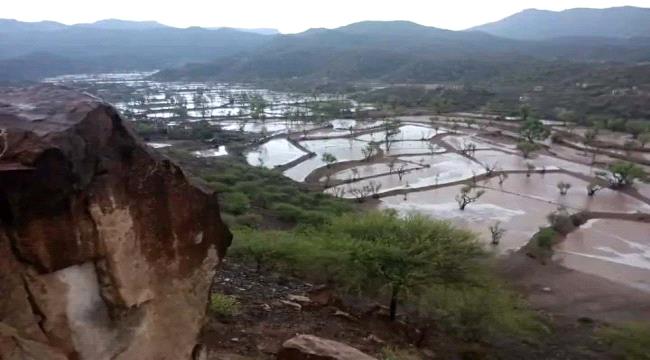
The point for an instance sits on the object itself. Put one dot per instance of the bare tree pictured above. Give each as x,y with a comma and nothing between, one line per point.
529,169
468,194
502,175
374,188
360,193
593,188
401,171
563,187
496,232
489,169
368,151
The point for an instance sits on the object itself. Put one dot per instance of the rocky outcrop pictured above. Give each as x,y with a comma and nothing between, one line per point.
310,347
107,250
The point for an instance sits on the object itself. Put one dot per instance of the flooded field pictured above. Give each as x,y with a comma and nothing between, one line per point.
273,153
520,216
422,168
614,249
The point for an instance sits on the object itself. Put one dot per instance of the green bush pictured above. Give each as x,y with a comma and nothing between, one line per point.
630,341
545,238
224,305
235,203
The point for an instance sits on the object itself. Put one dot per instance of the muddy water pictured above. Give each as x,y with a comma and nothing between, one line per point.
412,147
443,168
521,217
273,153
544,187
342,149
370,170
406,132
613,249
458,142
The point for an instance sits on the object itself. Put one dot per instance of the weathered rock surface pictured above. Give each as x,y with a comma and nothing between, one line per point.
310,347
107,250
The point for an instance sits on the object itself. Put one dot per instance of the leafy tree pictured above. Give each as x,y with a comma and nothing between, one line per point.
625,173
468,194
644,139
527,148
328,159
405,256
533,129
637,127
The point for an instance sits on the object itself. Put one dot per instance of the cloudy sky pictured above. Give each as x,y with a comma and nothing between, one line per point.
289,16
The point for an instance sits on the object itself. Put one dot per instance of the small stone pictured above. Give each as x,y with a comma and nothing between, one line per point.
266,307
374,338
299,298
234,339
292,304
345,315
546,289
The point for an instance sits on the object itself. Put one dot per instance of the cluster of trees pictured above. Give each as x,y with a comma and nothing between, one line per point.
429,265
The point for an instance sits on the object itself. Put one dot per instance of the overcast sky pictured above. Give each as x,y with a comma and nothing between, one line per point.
289,16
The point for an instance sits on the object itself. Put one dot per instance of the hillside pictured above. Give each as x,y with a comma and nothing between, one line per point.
618,22
111,45
404,51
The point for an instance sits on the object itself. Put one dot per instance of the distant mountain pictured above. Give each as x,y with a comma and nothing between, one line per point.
261,31
115,44
116,24
618,22
10,26
402,51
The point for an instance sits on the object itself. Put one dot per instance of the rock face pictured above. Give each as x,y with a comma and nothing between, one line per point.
309,347
107,251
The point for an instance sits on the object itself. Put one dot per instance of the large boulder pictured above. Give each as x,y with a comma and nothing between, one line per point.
310,347
107,250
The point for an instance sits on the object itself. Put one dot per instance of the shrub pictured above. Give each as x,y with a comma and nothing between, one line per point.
630,341
477,312
545,238
561,221
223,305
235,203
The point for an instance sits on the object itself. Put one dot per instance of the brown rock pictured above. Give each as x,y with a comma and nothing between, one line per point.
107,250
309,347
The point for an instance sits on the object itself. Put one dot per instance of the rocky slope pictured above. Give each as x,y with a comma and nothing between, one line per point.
107,250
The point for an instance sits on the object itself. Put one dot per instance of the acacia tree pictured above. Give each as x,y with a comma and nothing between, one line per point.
328,159
402,257
533,129
527,148
468,194
625,173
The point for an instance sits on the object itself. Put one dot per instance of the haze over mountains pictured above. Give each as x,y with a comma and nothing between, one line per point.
620,22
371,50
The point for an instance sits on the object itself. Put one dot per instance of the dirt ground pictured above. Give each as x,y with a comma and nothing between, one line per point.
264,322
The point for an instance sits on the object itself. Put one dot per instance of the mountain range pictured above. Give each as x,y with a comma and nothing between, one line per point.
370,50
532,24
